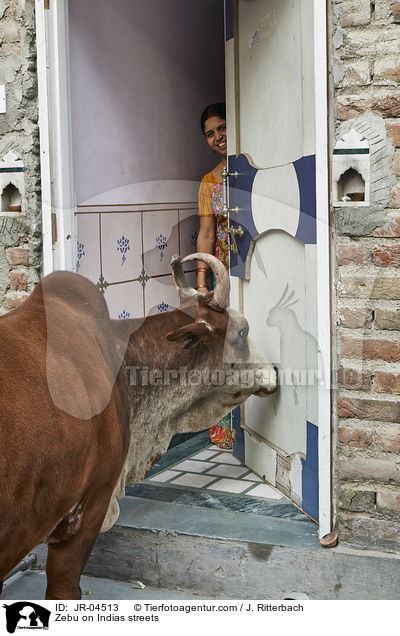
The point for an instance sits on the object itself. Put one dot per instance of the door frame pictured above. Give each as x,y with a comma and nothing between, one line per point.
323,259
324,327
57,180
58,195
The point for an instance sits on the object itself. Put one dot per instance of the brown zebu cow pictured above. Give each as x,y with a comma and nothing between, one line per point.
182,368
65,435
57,469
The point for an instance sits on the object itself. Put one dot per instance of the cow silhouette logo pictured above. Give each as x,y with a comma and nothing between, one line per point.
26,615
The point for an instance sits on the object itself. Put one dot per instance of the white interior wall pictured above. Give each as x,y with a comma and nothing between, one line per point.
141,73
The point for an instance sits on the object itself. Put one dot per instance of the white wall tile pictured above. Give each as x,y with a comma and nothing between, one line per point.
88,249
126,297
159,228
119,266
160,295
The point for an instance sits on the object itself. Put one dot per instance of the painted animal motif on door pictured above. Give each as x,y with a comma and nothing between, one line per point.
271,145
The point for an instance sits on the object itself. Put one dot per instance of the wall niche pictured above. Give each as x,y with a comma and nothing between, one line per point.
351,170
11,199
12,185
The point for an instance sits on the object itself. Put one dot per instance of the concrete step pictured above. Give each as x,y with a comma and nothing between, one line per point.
223,546
31,586
219,554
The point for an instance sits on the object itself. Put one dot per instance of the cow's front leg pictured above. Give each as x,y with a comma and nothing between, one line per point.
65,562
68,553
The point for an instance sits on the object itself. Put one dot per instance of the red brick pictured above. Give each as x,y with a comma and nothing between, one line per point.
356,13
352,106
393,130
353,253
18,255
369,409
354,318
355,437
395,197
357,499
19,280
387,72
370,348
387,255
387,318
354,379
380,286
385,382
388,441
395,9
391,228
396,163
14,299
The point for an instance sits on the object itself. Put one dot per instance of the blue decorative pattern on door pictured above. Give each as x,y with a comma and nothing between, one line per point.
241,193
229,19
310,486
307,228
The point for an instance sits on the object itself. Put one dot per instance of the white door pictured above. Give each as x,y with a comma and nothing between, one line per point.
272,147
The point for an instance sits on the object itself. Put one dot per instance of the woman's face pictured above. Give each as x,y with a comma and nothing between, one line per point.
215,132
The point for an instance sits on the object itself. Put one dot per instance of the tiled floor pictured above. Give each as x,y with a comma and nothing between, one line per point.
214,470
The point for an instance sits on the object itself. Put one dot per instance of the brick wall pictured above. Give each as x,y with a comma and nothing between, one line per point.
20,235
365,65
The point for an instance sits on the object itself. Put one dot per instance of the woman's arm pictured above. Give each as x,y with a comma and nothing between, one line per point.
205,243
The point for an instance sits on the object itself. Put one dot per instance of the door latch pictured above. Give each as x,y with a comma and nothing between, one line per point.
233,233
225,192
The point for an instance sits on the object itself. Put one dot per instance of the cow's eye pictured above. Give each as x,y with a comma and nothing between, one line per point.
243,333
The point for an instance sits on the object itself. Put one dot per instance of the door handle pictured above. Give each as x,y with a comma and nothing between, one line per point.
225,192
233,233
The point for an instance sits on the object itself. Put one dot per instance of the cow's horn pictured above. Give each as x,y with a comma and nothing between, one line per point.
184,290
222,284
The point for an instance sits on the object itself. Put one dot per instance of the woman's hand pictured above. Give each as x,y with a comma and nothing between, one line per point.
205,243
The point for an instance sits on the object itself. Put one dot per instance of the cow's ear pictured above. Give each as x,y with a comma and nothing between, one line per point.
192,335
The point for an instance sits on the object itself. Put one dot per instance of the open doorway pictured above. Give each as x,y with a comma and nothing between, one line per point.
139,76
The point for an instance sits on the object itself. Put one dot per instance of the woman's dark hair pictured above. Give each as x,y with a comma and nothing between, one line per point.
214,110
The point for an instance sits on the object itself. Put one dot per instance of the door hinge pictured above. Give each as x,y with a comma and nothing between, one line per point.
47,4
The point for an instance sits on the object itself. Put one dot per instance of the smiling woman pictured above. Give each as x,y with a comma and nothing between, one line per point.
213,232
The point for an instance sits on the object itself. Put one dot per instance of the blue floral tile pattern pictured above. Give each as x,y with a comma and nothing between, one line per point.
162,307
80,252
123,247
124,315
161,244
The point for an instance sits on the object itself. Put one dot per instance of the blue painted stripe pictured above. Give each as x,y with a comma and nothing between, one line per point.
305,171
310,482
240,196
238,441
229,21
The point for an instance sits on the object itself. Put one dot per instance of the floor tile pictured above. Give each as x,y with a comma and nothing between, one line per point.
220,450
263,490
205,454
192,480
167,474
225,470
229,485
226,459
192,466
252,477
